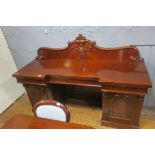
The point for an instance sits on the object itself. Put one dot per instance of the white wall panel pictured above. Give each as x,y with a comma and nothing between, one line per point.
145,53
9,89
151,69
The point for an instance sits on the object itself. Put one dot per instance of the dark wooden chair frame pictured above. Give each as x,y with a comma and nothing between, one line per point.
53,103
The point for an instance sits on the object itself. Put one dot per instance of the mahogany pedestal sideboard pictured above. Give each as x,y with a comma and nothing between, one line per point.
30,122
115,77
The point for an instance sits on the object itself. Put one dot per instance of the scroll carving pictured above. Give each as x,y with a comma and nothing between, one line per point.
82,45
136,59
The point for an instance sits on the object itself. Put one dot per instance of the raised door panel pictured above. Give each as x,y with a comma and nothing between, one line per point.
121,108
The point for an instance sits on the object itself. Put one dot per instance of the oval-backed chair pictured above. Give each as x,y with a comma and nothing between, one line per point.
51,109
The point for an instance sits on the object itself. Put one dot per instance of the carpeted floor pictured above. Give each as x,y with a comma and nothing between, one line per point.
81,113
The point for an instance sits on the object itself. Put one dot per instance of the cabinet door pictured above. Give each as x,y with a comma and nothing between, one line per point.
9,89
122,108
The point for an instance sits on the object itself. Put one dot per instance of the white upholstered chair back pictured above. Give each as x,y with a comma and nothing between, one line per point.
51,109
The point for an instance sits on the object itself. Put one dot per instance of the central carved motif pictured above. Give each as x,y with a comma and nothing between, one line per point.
82,45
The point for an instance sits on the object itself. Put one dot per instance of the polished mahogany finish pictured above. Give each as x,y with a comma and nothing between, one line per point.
53,103
30,122
116,76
